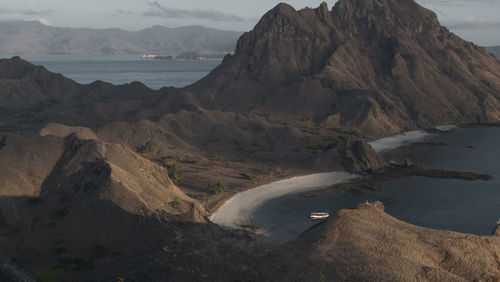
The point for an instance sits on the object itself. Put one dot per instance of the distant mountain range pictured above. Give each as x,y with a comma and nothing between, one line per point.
31,38
495,50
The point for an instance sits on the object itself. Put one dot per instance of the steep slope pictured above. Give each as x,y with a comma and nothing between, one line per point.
28,38
366,244
377,65
87,193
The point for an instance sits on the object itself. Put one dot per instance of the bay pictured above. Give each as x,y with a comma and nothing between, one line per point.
449,204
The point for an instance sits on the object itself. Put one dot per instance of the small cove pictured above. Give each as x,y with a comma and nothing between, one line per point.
451,204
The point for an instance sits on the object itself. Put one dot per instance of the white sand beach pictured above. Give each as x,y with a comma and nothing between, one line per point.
237,210
389,143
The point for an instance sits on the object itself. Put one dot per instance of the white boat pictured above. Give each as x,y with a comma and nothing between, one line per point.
319,215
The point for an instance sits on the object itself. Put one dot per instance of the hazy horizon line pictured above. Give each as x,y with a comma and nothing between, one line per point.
120,28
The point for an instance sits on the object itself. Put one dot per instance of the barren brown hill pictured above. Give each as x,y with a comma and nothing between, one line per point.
366,244
381,66
78,195
85,167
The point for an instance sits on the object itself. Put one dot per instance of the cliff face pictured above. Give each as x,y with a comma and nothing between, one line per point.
377,65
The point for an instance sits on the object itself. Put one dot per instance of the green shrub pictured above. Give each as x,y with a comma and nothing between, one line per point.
331,145
353,133
147,148
65,266
247,176
217,187
175,173
49,275
486,82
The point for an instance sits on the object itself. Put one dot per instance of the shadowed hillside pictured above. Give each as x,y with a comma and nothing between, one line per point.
101,181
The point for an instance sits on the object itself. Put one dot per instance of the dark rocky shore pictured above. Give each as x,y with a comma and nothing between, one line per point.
377,179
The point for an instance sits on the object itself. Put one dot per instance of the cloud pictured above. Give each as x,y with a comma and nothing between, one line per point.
27,11
157,10
44,21
472,23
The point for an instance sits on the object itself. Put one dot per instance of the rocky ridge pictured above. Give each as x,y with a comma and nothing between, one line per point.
381,66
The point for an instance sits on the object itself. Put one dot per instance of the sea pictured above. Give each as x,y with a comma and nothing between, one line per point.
448,204
121,69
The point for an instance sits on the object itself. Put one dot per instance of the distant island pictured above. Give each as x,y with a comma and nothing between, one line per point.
35,38
189,56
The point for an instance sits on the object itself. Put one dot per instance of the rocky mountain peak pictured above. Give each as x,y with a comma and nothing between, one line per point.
378,65
389,16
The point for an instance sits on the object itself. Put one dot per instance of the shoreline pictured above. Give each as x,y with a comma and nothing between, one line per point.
376,181
235,212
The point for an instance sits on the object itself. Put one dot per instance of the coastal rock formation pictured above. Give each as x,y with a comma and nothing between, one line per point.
353,156
368,244
381,66
359,156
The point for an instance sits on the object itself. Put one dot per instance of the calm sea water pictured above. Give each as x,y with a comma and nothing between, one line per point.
457,205
121,69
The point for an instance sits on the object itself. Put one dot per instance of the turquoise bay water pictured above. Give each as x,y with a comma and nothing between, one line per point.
451,204
121,69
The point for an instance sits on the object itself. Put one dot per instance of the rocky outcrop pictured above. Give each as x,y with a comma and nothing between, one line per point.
358,156
380,66
352,156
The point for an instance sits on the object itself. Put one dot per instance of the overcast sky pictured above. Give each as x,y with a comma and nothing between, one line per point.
474,20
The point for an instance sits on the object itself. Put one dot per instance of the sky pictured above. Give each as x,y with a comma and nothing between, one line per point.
473,20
